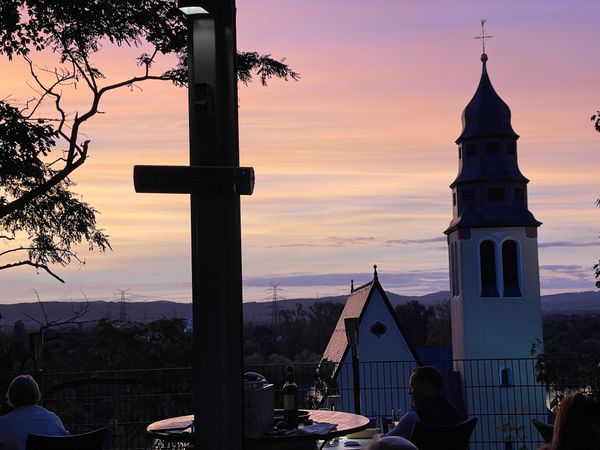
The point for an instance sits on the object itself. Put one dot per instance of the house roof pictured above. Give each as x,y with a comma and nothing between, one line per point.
357,300
355,307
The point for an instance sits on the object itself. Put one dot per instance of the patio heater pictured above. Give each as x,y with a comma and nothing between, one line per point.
214,181
351,325
216,228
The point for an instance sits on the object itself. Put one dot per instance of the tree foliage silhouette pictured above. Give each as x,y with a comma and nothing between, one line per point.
41,139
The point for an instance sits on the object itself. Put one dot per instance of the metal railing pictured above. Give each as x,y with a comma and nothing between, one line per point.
505,394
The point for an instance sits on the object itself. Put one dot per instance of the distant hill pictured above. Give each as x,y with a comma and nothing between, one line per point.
259,312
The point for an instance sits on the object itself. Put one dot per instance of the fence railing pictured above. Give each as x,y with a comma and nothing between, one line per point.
504,393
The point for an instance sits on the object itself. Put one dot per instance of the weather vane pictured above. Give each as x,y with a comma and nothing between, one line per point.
483,36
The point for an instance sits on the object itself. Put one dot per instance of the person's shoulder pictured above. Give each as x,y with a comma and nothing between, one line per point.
46,412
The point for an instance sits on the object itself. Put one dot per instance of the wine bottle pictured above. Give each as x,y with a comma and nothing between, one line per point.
290,399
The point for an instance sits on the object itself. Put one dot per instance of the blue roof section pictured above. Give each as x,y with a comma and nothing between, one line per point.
440,357
486,215
486,114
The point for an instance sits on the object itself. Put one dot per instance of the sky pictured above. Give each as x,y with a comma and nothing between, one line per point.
352,162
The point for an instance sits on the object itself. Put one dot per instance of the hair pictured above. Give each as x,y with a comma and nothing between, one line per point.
577,422
23,391
430,375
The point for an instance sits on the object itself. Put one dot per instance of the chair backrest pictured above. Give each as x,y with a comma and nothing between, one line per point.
545,429
93,440
443,437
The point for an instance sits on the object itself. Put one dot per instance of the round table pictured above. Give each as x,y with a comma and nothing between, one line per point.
177,432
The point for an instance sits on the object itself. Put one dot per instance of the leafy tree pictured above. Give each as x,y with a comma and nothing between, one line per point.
414,318
596,119
440,325
162,343
36,201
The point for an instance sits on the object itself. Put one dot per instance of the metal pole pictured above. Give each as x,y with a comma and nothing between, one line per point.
356,380
216,234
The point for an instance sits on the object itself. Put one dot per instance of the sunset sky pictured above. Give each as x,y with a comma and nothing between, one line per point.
353,161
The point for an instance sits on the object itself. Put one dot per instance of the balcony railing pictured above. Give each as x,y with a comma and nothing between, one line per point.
504,393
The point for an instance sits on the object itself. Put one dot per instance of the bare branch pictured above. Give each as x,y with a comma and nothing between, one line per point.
94,109
90,81
36,265
47,91
41,306
64,253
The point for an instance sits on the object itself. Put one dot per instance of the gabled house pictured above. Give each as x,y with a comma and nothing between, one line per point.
381,339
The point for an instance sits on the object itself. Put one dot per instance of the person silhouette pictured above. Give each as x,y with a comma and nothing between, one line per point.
429,403
577,425
27,417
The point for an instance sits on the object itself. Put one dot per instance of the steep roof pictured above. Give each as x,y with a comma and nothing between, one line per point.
356,305
338,344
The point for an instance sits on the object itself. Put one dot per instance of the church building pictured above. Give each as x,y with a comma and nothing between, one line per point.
494,287
387,356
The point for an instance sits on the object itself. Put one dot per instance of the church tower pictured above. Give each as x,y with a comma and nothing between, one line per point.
494,274
492,238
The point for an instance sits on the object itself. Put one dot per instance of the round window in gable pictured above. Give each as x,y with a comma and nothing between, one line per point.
378,329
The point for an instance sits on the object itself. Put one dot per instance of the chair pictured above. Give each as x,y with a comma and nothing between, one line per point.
93,440
545,429
446,437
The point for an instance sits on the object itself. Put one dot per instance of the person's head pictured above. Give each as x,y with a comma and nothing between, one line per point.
392,443
23,391
577,425
425,382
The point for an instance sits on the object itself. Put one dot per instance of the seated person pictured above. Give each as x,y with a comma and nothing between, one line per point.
27,417
429,404
577,425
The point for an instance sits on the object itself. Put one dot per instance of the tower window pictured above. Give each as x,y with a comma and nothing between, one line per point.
511,148
487,260
496,194
519,194
492,147
471,149
468,195
459,152
510,269
454,199
455,271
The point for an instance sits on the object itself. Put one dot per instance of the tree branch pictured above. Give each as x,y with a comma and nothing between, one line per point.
36,265
63,252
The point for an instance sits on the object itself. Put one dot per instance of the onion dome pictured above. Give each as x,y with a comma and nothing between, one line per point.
486,114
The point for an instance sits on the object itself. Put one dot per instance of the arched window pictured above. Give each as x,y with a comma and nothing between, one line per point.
487,260
506,377
455,273
510,269
452,270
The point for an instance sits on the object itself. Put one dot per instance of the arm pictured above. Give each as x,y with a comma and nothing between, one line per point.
405,425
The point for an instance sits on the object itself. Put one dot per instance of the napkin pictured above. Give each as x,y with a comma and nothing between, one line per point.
319,428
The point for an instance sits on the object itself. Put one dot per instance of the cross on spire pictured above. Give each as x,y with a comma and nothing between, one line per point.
483,36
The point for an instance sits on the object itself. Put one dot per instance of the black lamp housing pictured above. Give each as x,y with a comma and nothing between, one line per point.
194,7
